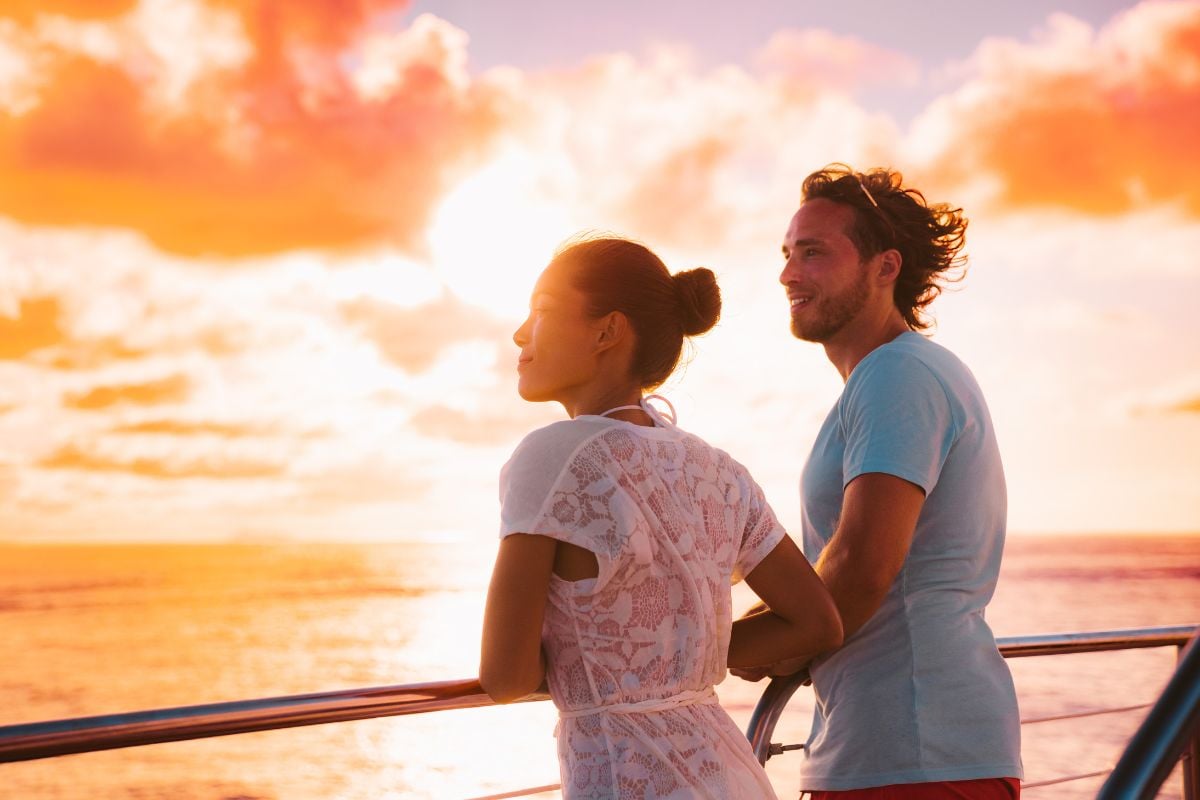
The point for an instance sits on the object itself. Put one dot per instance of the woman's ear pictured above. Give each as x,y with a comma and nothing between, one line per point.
611,329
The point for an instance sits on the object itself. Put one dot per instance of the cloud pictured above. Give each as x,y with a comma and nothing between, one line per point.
171,389
687,158
26,11
71,457
266,148
171,427
503,424
1101,122
91,354
1189,406
374,479
413,338
820,58
37,325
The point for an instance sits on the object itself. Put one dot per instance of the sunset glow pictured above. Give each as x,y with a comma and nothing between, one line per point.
260,263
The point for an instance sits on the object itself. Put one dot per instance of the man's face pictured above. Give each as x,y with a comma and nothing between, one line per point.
825,278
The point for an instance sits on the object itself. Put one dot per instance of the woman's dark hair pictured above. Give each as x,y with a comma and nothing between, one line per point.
621,275
887,216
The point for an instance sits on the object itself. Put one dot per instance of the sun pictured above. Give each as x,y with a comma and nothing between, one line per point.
495,232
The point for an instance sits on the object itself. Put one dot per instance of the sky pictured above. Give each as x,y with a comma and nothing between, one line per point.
260,262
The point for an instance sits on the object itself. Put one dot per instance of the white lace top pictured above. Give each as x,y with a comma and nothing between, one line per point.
633,654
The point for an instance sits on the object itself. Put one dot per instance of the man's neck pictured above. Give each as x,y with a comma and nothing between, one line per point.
852,344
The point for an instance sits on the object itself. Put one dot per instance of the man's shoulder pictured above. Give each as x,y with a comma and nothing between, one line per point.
913,356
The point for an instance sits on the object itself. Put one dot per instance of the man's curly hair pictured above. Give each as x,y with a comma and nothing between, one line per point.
887,216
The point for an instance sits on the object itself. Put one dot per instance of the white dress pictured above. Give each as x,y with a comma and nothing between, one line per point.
633,654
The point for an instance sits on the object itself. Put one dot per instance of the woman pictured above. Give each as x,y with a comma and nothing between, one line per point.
621,535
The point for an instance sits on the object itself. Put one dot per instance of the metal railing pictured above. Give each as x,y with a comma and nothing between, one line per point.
1162,736
780,690
87,734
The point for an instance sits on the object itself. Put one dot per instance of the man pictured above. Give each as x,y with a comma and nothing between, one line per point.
904,507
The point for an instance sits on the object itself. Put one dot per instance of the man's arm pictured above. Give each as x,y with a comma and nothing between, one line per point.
865,554
862,560
798,616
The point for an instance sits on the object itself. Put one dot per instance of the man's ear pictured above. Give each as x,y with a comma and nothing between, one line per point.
890,262
611,329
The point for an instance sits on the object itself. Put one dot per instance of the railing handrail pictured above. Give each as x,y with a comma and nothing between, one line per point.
777,693
36,740
62,737
1163,735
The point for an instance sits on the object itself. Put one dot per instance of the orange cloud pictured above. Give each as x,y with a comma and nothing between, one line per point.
1189,406
373,480
73,458
413,338
87,355
28,10
678,198
488,428
281,151
35,326
178,428
1103,122
167,390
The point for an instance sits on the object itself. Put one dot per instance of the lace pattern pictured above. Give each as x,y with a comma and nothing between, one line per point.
672,521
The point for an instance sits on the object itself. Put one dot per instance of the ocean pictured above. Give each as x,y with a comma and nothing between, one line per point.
96,629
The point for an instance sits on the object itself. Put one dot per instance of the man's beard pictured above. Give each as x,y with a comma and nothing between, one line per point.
831,314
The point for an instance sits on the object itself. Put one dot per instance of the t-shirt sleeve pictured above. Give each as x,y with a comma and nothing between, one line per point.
897,419
532,495
761,533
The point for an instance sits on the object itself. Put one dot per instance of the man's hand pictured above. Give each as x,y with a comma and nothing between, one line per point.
777,670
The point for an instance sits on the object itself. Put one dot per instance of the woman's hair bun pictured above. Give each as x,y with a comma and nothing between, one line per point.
699,299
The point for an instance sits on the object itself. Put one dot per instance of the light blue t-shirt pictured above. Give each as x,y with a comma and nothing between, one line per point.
921,692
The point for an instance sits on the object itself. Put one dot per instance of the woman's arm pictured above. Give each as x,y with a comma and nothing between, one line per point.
800,618
511,665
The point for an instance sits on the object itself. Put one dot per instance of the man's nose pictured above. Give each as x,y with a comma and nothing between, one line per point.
788,273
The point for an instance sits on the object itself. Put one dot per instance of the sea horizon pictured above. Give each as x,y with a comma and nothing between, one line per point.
163,624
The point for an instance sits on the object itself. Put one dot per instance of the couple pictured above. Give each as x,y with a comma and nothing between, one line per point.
621,532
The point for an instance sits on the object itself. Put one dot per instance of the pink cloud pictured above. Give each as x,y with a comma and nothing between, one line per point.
822,59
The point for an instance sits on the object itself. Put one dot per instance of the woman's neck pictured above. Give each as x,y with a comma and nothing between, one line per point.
608,399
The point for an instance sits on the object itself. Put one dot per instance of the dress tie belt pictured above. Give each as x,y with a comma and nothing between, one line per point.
703,697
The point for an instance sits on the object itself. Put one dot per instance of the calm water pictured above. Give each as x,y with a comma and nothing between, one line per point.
101,629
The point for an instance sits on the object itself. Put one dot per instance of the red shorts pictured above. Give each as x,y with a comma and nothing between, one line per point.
980,789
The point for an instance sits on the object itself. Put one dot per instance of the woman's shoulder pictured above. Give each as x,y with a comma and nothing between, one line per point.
555,443
554,435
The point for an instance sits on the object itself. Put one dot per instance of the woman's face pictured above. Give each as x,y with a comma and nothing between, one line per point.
558,342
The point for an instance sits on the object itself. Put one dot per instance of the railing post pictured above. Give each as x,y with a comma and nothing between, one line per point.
1190,760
